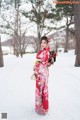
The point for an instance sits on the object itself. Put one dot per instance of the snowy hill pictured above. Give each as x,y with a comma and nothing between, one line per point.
17,90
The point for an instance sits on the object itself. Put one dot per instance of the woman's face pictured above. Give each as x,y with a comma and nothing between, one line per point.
44,44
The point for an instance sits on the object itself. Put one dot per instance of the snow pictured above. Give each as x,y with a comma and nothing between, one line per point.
17,90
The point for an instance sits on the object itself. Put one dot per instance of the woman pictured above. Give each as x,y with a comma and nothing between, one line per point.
41,72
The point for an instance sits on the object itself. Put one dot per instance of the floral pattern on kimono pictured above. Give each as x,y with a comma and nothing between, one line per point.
42,73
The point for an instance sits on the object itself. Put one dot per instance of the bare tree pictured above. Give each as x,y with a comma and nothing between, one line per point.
14,29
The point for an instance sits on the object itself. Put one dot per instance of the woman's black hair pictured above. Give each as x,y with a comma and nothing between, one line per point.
44,38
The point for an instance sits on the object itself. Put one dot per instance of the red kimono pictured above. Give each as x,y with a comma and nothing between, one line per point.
42,73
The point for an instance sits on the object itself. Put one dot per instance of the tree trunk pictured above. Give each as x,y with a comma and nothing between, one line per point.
1,55
56,46
39,37
38,28
77,30
66,43
16,42
75,46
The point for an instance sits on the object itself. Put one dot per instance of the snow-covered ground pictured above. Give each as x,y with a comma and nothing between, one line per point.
17,90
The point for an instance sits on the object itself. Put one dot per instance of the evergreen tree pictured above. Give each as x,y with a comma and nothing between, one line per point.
39,14
65,11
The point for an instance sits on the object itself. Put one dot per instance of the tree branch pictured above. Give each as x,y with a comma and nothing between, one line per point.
4,32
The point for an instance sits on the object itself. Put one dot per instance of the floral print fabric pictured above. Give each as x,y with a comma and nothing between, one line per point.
42,74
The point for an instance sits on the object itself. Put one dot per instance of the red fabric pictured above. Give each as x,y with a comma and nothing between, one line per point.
45,101
45,104
41,99
43,56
